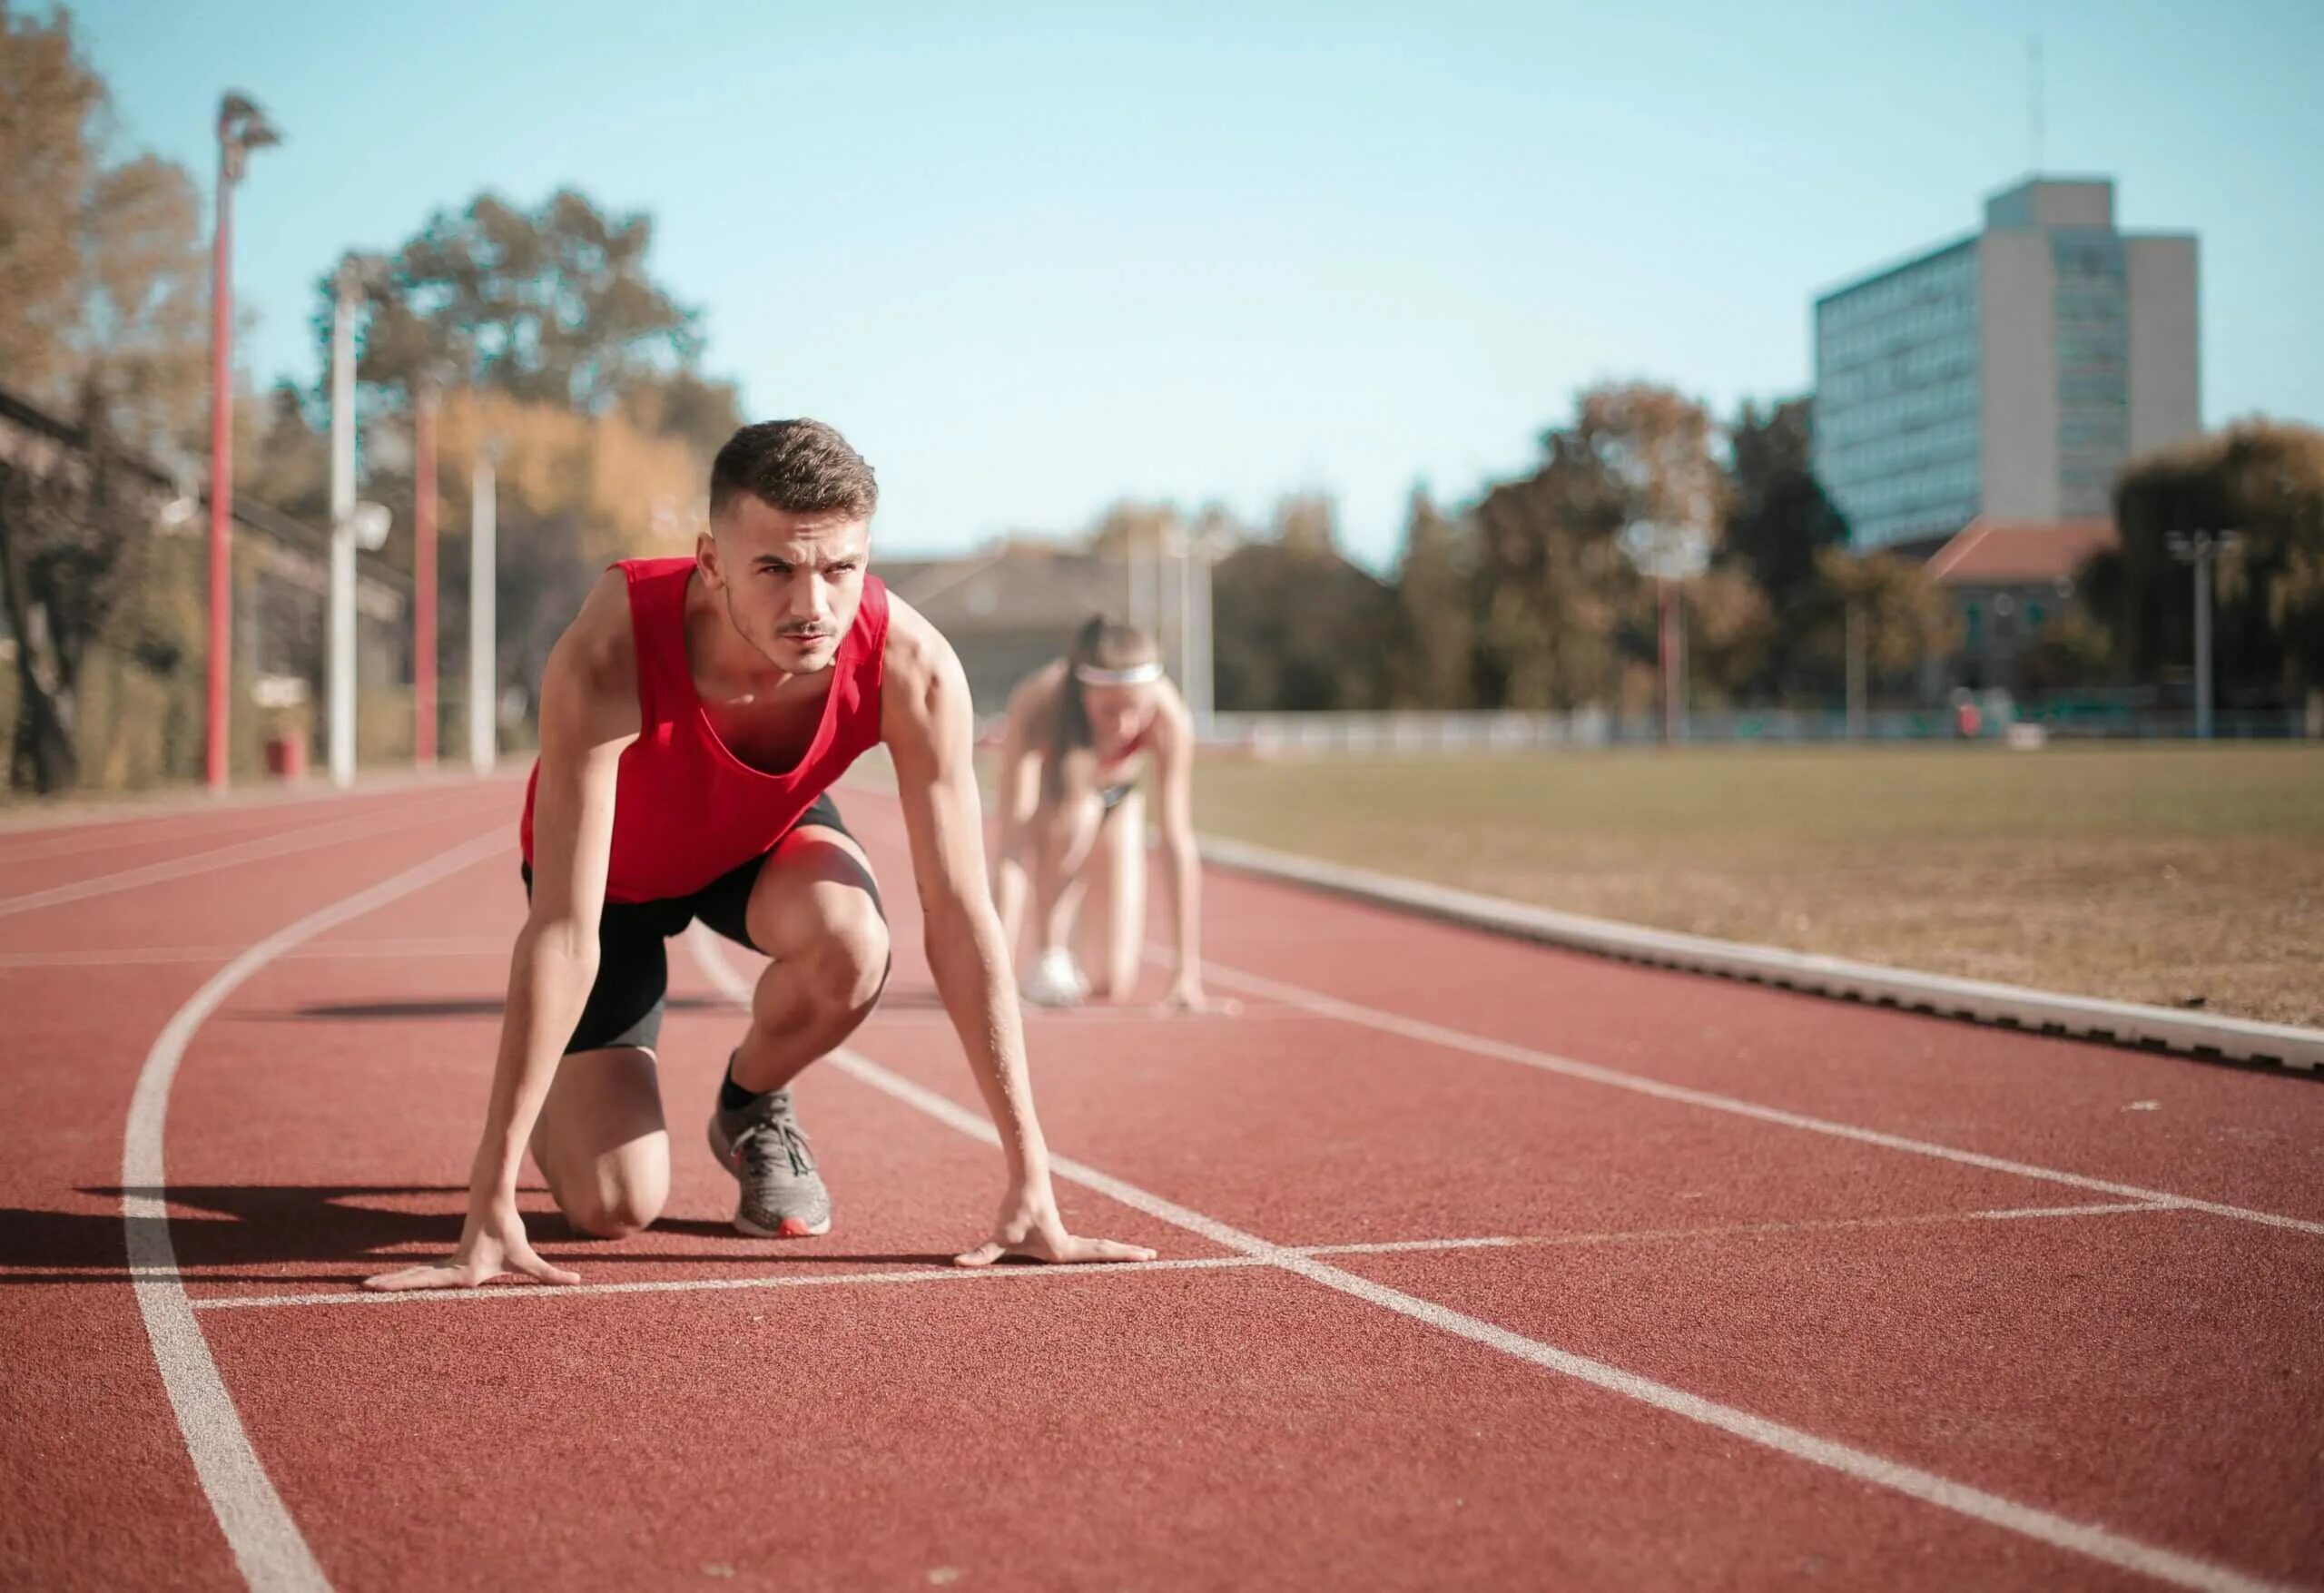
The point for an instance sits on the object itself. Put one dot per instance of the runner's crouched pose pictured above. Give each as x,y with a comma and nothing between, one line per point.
693,719
1079,736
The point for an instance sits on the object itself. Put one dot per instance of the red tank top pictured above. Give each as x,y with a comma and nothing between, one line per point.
686,810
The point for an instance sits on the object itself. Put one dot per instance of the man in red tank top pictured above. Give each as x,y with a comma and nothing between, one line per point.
694,717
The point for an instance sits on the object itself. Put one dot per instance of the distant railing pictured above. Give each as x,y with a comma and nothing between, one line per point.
1321,734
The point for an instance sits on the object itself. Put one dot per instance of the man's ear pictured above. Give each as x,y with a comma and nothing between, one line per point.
705,559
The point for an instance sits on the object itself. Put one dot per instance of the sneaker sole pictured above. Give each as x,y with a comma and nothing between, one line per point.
789,1228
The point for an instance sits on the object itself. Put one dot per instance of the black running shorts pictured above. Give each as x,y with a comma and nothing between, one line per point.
633,984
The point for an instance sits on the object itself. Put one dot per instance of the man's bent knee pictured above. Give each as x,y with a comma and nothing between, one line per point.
610,1215
850,962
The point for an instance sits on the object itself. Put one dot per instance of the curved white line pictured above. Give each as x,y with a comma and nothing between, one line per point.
265,1542
305,838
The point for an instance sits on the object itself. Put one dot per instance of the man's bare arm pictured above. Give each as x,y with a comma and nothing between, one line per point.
928,727
588,714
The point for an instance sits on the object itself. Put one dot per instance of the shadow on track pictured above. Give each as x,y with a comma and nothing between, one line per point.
352,1225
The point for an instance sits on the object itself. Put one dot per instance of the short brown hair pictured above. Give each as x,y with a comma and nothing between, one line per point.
801,466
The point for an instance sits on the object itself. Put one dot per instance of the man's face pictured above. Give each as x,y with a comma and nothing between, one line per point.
1117,713
792,582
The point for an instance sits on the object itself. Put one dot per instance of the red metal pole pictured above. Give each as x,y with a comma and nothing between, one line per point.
222,474
423,578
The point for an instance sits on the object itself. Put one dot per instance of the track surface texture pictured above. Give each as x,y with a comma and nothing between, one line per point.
1482,1264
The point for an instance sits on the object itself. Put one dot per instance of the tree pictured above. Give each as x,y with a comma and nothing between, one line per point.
2070,649
573,492
1435,599
1562,606
67,521
102,279
1778,521
1298,628
2262,478
1730,632
1908,619
550,306
47,162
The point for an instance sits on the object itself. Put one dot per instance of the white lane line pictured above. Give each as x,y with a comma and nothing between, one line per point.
1436,1034
954,1273
224,856
1041,1022
264,1539
1525,1056
477,946
932,1274
2079,1537
73,845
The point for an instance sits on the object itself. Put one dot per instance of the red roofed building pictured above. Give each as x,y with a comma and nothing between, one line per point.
2007,576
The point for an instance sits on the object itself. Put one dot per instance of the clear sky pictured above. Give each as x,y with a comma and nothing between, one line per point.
1031,257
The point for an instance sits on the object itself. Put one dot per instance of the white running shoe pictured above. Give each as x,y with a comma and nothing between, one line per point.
1055,981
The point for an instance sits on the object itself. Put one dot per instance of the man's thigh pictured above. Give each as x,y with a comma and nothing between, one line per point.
816,882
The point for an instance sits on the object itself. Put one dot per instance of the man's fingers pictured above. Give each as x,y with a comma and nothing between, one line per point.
1104,1250
983,1256
417,1277
532,1266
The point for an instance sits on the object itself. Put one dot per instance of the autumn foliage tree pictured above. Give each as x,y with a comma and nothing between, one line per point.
101,288
2261,479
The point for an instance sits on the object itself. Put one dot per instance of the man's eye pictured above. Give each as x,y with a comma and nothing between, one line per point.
774,569
842,569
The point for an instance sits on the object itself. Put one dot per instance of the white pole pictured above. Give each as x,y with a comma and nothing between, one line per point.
340,673
1855,671
1185,610
1204,701
1677,661
1145,587
483,577
2205,548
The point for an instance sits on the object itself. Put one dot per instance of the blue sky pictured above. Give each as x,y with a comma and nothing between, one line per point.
1031,257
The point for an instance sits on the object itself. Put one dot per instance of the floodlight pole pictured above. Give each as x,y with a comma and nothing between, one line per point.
242,127
1856,670
2202,550
483,643
423,576
342,528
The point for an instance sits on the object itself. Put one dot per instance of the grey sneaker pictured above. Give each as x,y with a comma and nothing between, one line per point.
764,1147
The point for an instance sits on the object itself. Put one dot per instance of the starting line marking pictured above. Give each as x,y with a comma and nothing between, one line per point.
2078,1537
948,1275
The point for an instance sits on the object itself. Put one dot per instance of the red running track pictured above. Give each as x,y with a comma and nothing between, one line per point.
1483,1265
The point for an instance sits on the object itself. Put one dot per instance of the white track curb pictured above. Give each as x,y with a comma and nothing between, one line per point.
2119,1023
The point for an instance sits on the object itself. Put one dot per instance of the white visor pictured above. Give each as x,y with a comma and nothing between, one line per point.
1136,674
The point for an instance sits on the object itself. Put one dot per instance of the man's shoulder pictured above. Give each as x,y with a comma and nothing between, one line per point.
594,664
923,682
917,652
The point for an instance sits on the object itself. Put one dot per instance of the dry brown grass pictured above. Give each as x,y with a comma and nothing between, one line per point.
2173,875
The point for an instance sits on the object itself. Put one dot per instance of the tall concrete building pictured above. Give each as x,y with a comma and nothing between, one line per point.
2006,374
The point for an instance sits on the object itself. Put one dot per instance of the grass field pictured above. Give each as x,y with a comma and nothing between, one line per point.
2175,875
